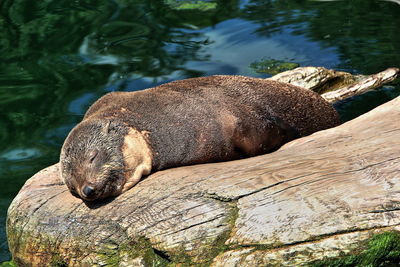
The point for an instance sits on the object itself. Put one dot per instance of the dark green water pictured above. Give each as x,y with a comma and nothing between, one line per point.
57,57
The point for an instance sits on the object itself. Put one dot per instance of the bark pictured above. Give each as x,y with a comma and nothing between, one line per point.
316,197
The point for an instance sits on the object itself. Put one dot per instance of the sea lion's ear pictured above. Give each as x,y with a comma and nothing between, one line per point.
107,127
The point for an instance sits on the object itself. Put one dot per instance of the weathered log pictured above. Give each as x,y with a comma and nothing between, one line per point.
364,85
315,78
316,197
336,85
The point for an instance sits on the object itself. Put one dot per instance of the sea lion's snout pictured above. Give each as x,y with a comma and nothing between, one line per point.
92,164
88,191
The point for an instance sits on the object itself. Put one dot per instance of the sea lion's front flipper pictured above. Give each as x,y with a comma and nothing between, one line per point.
137,158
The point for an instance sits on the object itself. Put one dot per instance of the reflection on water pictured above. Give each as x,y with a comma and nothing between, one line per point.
20,154
57,57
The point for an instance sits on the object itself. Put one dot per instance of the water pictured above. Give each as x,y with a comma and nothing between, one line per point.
57,57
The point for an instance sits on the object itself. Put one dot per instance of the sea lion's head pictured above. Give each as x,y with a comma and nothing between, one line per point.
103,158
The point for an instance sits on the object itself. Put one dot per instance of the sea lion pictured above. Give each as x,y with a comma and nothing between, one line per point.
126,135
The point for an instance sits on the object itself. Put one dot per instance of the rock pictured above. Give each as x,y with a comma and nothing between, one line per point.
316,197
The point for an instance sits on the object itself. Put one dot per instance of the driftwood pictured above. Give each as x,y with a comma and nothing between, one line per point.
316,197
336,85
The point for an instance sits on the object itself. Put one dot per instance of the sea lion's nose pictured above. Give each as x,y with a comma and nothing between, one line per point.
88,191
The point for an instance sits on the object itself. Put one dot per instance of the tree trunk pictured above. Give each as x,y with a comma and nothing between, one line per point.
316,197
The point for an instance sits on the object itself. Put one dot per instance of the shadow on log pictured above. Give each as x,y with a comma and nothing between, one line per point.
316,197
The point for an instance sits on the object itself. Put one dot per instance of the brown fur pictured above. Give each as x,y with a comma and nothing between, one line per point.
191,121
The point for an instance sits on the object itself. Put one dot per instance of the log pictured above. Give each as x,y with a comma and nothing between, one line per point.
364,85
335,85
316,197
314,78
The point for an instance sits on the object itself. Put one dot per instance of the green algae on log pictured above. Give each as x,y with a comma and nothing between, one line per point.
272,66
190,5
317,197
381,250
8,264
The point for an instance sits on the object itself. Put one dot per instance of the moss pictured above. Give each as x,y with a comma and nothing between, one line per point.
381,250
57,261
8,264
208,252
191,5
141,250
113,255
272,66
28,241
218,246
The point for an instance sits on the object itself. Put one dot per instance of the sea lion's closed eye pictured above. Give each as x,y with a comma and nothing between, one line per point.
93,154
